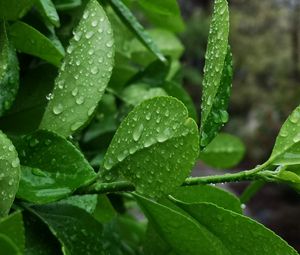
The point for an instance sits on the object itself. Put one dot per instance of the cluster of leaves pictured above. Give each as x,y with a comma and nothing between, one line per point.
110,114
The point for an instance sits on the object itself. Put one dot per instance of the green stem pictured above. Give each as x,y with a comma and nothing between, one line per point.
118,186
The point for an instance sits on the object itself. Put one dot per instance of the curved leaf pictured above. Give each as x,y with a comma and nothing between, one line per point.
129,19
14,9
83,75
12,227
155,146
9,174
9,71
286,150
224,151
29,40
77,230
239,234
52,167
48,11
217,75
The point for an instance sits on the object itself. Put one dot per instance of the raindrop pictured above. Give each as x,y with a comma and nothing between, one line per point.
57,109
137,132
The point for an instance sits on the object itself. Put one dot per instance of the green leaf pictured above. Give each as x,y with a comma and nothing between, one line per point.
9,174
29,40
225,151
8,246
38,238
155,147
9,71
85,202
83,75
14,9
211,229
286,150
12,227
77,230
52,167
207,193
238,234
217,75
129,19
63,5
139,92
48,11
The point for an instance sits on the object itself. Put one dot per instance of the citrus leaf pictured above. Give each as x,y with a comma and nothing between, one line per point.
129,19
239,234
224,151
207,193
84,73
29,40
155,146
286,150
217,75
48,11
66,4
77,230
8,246
9,174
12,227
173,226
14,9
52,167
9,71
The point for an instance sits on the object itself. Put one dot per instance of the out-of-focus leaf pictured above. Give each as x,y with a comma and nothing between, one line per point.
83,75
14,9
63,5
9,174
48,11
224,151
29,40
8,246
155,147
9,71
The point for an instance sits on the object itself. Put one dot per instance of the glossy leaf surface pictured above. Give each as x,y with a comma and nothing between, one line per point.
9,71
84,73
52,167
158,140
217,75
14,9
9,174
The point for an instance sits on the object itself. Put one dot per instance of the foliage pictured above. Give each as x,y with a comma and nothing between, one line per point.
98,141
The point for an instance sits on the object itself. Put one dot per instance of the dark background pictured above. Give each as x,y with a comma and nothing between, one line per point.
265,40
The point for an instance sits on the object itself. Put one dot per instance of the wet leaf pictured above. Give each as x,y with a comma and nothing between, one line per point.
12,227
133,24
14,9
9,71
77,230
217,75
29,40
52,167
224,151
155,146
9,174
84,73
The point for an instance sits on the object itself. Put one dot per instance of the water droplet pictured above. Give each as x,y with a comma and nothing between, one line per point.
49,96
94,23
76,125
77,36
80,100
137,132
15,162
109,44
86,14
75,92
58,109
94,70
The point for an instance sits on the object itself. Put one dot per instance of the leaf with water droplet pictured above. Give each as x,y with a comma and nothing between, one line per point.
225,151
76,229
52,167
155,146
286,150
9,174
48,11
129,19
12,227
29,40
9,71
82,79
217,75
14,9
